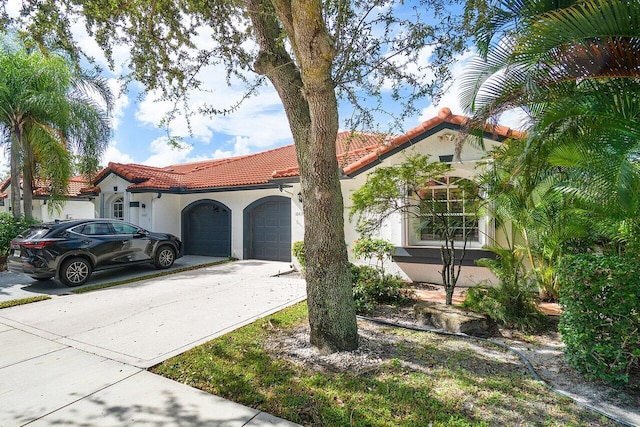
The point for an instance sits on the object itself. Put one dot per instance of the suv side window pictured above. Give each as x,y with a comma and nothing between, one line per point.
94,229
123,228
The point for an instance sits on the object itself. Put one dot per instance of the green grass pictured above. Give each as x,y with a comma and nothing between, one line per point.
148,276
423,380
14,302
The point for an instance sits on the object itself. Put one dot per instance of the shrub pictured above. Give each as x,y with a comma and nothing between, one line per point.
600,323
512,301
370,288
10,227
379,250
370,285
298,251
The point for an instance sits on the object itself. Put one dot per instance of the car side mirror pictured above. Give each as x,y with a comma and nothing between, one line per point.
141,233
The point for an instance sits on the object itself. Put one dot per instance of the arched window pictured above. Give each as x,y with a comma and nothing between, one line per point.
446,207
118,209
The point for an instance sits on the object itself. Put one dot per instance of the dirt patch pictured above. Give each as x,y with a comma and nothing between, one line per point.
544,351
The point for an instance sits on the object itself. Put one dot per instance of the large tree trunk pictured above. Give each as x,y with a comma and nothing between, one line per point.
15,173
309,100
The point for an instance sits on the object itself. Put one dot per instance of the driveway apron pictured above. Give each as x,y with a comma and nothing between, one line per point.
80,359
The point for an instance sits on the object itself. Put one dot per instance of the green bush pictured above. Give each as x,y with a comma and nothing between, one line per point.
298,251
10,227
370,288
511,302
379,250
600,323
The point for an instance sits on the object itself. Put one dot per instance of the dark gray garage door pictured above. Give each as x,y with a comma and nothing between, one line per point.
206,229
268,228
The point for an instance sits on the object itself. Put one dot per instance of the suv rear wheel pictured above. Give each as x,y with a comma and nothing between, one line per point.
75,271
165,256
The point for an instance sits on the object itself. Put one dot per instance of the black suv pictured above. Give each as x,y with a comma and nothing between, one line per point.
71,250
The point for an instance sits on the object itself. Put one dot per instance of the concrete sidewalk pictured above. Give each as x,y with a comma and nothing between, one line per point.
78,359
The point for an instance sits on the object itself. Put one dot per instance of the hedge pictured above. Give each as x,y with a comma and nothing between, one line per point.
600,324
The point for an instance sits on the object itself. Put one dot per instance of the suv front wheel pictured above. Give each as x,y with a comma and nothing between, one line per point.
75,271
165,255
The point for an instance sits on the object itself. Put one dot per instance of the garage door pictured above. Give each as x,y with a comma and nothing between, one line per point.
207,229
269,229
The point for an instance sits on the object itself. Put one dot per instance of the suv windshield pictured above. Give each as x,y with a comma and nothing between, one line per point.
33,233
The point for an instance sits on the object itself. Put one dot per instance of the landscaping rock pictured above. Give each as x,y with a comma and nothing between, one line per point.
455,319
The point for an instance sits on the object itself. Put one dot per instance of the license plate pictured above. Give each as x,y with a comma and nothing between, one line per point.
16,252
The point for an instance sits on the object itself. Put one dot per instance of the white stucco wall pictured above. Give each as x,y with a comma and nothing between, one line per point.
165,216
143,214
72,209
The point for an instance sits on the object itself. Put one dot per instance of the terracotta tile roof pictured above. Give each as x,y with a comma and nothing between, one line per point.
355,150
253,169
41,188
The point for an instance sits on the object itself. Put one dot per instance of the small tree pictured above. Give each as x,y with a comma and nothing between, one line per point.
407,189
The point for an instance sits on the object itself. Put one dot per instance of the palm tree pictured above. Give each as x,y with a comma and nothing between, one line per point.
537,219
48,114
574,68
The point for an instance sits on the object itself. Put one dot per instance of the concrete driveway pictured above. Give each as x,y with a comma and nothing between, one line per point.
16,286
79,359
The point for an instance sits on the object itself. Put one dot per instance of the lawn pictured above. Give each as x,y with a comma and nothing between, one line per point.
397,378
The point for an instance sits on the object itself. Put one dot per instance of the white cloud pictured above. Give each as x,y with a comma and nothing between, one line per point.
13,7
113,154
260,121
451,98
89,45
411,66
120,105
163,154
241,146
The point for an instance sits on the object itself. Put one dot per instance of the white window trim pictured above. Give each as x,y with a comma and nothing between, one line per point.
120,201
485,231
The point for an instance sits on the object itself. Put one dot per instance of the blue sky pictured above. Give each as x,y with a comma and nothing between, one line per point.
260,124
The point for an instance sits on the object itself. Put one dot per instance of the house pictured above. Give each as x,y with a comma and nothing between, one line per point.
76,205
250,207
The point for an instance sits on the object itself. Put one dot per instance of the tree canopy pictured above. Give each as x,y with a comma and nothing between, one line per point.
573,183
574,68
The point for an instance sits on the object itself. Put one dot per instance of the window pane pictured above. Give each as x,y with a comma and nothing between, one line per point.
447,210
122,228
118,209
97,229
